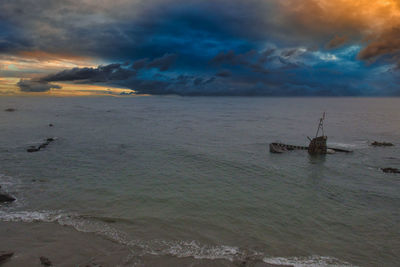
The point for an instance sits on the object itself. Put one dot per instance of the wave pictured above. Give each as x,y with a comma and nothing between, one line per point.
140,247
312,261
176,248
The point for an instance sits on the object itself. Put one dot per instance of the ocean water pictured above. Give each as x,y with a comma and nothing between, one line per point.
193,176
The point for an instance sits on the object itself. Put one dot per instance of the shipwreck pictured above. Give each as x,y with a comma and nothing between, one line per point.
318,145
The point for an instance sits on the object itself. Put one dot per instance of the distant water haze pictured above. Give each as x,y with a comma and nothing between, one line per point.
193,176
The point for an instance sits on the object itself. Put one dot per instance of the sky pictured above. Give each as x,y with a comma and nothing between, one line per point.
200,47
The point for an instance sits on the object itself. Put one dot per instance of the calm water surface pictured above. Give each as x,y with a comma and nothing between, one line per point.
194,177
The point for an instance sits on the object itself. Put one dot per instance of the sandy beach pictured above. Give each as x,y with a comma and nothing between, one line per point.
64,246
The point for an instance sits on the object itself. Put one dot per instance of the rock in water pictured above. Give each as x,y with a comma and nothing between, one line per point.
390,170
6,198
10,109
41,146
5,256
32,149
375,143
45,261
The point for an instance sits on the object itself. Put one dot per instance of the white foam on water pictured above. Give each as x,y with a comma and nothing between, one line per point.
78,223
312,261
184,249
177,248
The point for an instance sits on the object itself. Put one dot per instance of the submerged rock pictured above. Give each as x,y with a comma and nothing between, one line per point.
5,256
41,146
45,261
10,109
375,143
390,170
33,149
51,125
6,198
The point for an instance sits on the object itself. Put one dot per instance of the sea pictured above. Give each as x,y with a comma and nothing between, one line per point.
192,177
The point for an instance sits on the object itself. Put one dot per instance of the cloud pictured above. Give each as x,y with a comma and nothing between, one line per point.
251,59
388,43
203,47
336,42
162,63
224,73
353,22
111,72
36,86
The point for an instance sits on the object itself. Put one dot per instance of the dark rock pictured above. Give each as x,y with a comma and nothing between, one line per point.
390,170
375,143
6,198
45,261
10,109
33,149
51,125
43,145
5,256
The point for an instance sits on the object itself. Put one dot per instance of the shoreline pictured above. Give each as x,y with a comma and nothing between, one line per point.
65,246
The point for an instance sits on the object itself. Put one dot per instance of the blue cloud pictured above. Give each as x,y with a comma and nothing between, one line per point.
198,48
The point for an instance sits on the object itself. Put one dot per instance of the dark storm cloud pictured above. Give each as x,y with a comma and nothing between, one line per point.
111,72
224,73
120,30
250,59
36,86
162,63
204,47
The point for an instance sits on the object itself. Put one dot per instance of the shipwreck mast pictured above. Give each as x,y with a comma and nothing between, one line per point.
321,126
318,145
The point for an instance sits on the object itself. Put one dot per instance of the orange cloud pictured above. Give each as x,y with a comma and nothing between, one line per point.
375,22
40,61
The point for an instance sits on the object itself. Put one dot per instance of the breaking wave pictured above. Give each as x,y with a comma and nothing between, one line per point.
312,261
153,247
180,249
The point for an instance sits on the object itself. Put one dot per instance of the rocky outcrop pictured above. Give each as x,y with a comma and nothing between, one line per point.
5,256
6,198
41,146
375,143
390,170
45,261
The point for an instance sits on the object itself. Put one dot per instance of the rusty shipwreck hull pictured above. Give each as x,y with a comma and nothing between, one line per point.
279,148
